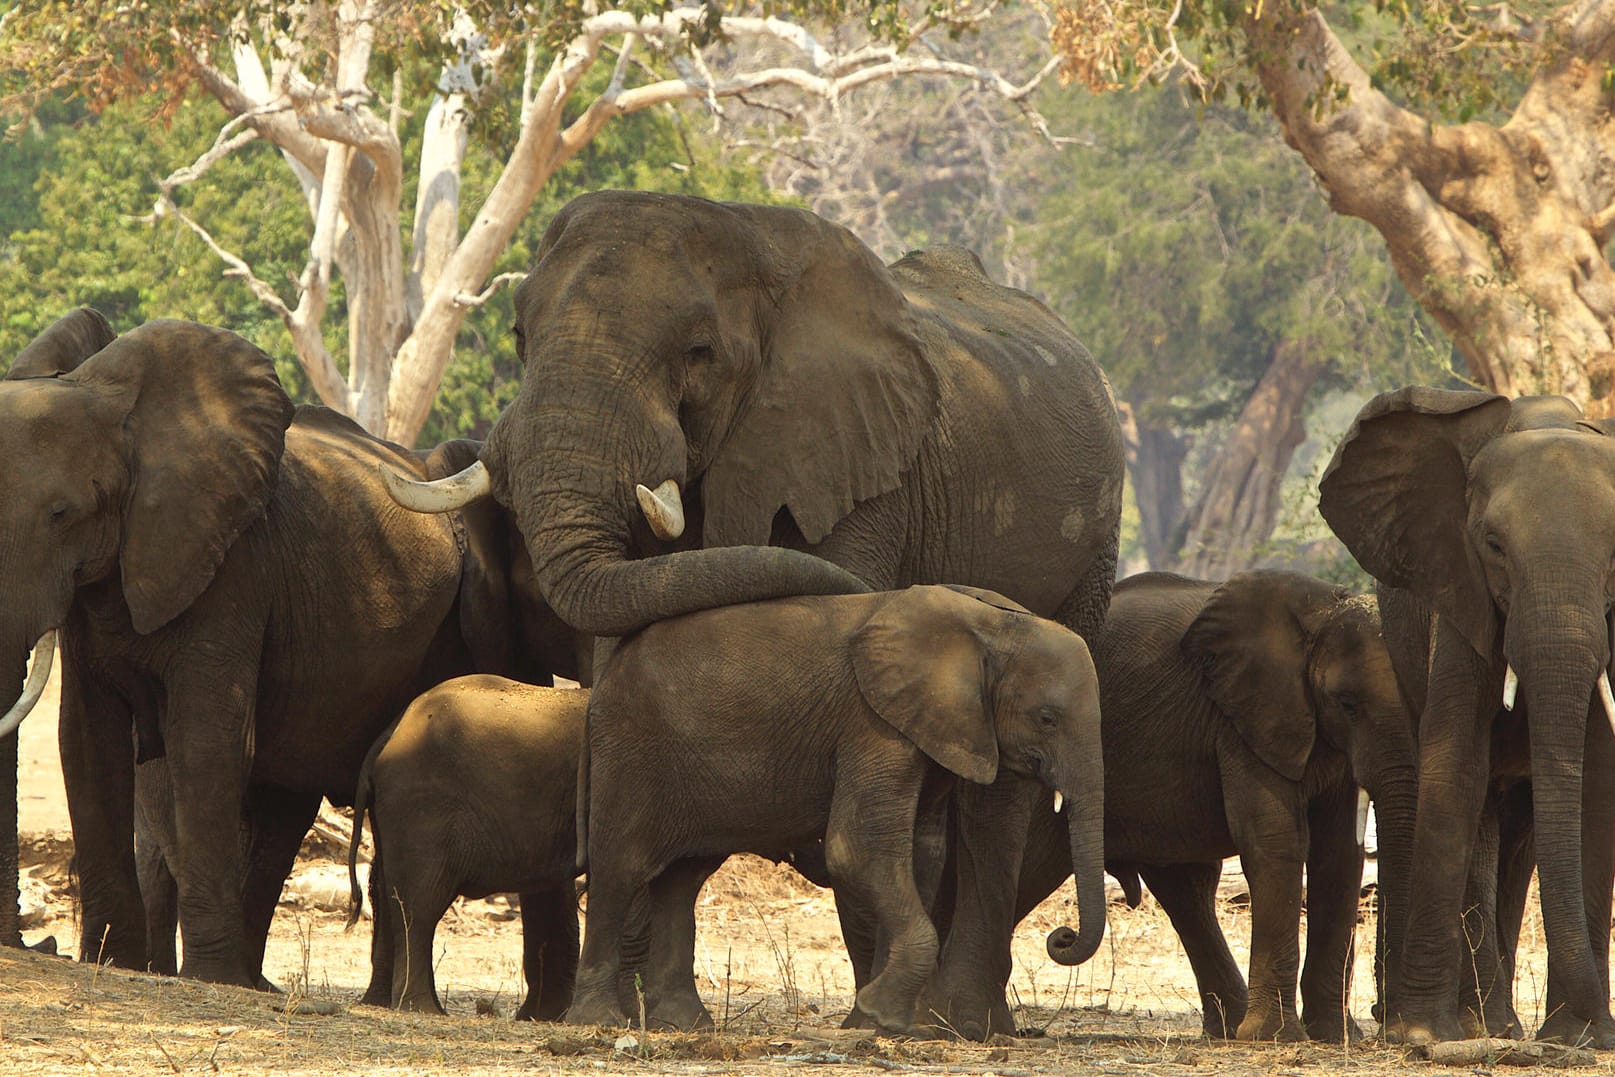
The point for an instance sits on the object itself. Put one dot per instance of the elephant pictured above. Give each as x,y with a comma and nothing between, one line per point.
473,791
1496,520
766,726
232,583
1240,718
725,403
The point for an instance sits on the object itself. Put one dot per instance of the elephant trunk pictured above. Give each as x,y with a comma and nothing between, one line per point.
1557,674
576,510
1081,781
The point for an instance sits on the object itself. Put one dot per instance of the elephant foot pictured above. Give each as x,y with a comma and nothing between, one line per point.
591,1011
679,1015
46,945
420,1004
1562,1026
1494,1022
1333,1029
375,995
1271,1028
888,1013
1415,1032
969,1015
1220,1018
535,1009
858,1019
218,973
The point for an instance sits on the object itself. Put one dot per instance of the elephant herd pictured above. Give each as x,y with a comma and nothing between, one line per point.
835,544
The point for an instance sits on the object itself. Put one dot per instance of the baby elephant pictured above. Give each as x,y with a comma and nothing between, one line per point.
768,726
1240,718
473,791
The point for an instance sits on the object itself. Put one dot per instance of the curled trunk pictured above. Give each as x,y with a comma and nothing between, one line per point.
1085,821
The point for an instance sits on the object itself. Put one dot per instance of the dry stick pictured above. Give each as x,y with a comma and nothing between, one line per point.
171,1063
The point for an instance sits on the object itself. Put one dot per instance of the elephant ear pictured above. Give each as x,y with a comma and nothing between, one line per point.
66,343
1250,641
206,420
921,665
485,602
844,397
991,598
1397,491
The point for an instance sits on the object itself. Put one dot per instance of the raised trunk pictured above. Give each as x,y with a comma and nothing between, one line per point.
1238,506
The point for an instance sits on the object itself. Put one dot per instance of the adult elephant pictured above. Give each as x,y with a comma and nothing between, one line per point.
231,582
757,375
1498,517
1270,699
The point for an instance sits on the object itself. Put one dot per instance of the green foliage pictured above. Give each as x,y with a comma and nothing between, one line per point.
80,232
1186,242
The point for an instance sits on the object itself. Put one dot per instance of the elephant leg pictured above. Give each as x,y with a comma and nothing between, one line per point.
417,895
671,998
208,760
1455,761
383,911
1516,862
1479,972
1334,888
1270,830
870,850
1187,893
967,993
617,880
154,831
549,951
98,769
277,823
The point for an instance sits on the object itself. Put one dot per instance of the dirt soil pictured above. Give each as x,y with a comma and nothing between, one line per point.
769,959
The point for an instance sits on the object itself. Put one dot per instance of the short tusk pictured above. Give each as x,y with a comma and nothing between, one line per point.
1059,801
38,674
1608,697
444,495
663,509
1511,688
1362,817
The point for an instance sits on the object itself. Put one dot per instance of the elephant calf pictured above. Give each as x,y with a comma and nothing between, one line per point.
473,791
767,726
1240,719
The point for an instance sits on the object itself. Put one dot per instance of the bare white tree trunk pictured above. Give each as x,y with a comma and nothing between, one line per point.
403,314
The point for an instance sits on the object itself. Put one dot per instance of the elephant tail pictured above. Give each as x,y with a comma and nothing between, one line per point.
363,790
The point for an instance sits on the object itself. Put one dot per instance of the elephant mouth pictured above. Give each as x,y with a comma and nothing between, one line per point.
1606,696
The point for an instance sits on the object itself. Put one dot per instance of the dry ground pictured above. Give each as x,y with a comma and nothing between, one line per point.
770,960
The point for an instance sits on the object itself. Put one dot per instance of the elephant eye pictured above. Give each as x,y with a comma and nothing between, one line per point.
58,512
700,353
1494,544
1048,717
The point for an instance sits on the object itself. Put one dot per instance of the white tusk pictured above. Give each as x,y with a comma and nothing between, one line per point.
1608,697
38,674
662,508
444,495
1511,688
1059,801
1362,816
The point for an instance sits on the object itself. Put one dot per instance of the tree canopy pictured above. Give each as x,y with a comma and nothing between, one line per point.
1475,139
370,107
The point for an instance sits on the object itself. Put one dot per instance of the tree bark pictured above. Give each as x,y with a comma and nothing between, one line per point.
1497,230
1155,458
1238,505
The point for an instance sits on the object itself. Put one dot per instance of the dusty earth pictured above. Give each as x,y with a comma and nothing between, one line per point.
769,958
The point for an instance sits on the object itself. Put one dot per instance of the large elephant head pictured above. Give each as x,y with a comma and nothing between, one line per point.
760,359
135,460
1500,516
